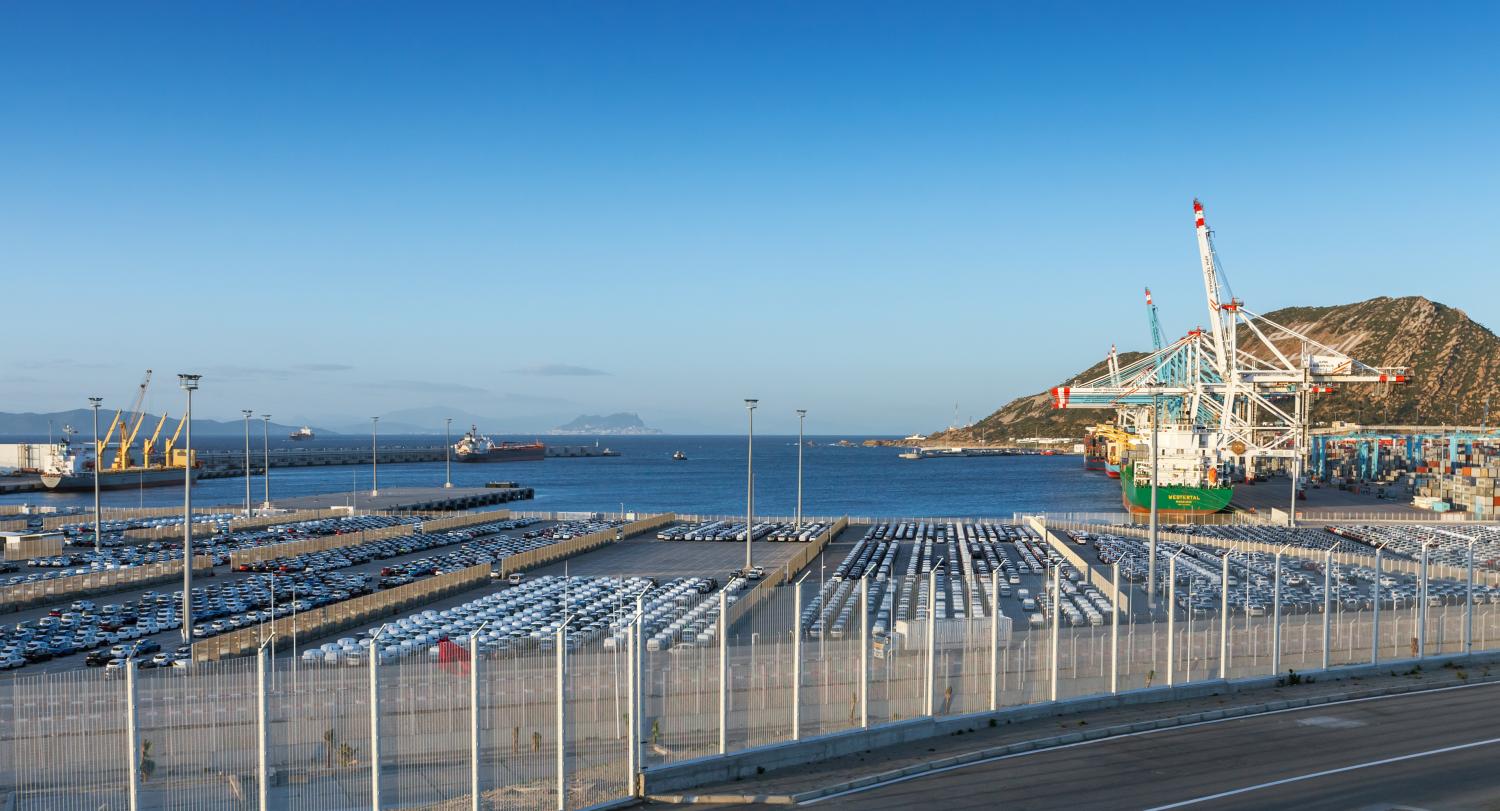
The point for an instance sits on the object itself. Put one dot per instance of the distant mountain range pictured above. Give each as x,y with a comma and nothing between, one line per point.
619,424
1454,363
82,419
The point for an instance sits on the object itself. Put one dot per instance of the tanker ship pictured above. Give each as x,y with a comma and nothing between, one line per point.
476,447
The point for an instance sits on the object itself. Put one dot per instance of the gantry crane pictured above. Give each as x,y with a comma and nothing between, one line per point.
1241,405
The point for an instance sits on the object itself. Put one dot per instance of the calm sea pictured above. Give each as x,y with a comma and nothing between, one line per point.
837,480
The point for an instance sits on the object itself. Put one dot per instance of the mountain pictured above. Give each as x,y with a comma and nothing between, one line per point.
1454,362
35,426
618,424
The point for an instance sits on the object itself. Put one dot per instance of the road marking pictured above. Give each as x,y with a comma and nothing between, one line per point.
1330,722
894,780
1314,775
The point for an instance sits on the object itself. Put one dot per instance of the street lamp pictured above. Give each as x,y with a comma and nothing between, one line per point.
247,412
374,461
448,451
1155,455
98,513
749,481
189,384
801,422
266,447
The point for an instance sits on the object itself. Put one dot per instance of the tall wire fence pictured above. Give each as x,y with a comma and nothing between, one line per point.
569,724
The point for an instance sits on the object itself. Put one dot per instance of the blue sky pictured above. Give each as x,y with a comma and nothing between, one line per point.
871,211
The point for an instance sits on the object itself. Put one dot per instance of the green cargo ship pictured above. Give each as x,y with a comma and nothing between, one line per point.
1172,499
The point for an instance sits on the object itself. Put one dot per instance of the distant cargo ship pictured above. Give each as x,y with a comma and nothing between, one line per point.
60,467
476,447
301,433
116,479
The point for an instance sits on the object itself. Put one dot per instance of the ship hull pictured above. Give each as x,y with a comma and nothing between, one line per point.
1111,470
115,479
1093,462
1172,500
506,453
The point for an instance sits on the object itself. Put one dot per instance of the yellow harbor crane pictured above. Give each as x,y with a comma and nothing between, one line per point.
148,447
122,459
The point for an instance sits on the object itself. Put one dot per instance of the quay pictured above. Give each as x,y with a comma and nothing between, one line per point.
232,462
411,498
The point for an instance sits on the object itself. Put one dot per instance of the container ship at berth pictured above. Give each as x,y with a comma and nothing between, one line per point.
1190,484
476,447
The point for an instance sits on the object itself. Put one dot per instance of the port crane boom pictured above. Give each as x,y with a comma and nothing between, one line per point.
1244,383
127,435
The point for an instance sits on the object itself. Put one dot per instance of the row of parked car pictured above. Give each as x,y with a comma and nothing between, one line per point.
722,531
524,617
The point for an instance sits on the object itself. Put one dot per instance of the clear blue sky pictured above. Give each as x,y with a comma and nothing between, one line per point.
872,211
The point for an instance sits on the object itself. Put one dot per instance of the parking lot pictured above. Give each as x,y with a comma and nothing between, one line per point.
235,599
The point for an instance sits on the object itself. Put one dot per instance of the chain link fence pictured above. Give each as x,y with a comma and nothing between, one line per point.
569,723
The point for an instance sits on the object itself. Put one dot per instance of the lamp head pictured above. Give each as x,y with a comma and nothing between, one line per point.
802,412
95,401
750,404
188,382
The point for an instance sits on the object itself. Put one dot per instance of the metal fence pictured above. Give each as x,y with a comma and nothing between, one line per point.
569,724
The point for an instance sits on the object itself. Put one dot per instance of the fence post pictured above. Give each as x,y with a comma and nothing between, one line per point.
632,748
1056,621
473,720
132,740
931,643
724,670
1469,603
262,743
1171,618
864,651
1327,605
1422,607
1114,630
1375,617
375,720
1224,616
1276,617
562,716
995,639
797,660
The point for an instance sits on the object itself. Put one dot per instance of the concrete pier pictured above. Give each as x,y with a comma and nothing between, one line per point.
412,498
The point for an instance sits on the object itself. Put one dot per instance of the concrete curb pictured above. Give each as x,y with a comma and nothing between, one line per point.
1056,741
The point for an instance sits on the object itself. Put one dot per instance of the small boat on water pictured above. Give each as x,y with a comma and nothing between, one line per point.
300,434
679,456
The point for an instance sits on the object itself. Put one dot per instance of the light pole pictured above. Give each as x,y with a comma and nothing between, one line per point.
801,422
98,513
189,384
374,459
749,482
448,452
265,445
247,412
1151,567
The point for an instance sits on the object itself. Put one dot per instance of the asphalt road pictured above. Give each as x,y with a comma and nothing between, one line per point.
1424,750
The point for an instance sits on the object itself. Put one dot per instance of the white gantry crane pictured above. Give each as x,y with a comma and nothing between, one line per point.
1234,393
